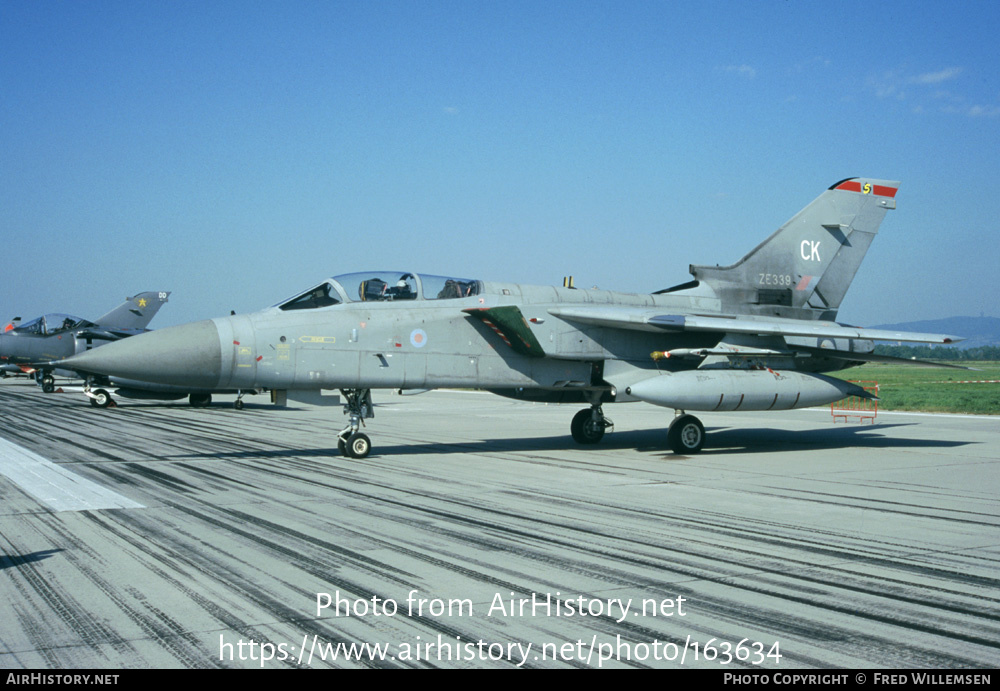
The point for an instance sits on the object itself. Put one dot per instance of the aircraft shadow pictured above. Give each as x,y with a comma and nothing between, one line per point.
7,562
766,440
720,441
183,405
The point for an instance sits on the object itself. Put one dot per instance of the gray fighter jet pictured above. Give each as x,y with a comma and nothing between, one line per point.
751,336
36,347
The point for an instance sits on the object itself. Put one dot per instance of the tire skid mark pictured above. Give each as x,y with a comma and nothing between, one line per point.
38,599
832,583
165,566
883,506
895,613
806,587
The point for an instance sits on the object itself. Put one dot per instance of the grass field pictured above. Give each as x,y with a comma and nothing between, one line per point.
938,390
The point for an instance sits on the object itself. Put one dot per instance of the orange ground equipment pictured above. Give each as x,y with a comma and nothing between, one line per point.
864,409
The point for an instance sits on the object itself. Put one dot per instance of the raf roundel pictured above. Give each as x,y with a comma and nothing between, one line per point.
418,337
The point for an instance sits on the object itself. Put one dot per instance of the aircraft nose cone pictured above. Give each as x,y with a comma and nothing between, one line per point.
187,355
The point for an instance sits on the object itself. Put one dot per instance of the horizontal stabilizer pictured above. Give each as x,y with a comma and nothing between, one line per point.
648,320
792,327
872,357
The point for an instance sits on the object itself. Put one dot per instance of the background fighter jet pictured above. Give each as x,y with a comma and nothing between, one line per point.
34,347
39,348
750,336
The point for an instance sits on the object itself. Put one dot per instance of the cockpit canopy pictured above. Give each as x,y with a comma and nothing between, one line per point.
52,323
382,286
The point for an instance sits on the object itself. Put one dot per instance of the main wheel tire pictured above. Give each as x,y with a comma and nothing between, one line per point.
101,399
584,429
48,384
238,404
342,446
358,445
686,435
200,400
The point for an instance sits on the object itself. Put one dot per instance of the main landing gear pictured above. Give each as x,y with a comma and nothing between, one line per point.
200,400
589,425
351,442
46,381
685,435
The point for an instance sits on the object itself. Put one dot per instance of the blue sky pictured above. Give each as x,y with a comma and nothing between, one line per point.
235,153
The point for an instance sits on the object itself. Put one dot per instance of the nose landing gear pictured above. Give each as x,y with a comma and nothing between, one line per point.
99,398
351,441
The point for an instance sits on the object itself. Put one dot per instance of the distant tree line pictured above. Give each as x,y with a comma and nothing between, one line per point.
939,353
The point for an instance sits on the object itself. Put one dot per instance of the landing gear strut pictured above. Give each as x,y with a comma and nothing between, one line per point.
46,381
588,425
99,398
200,400
686,434
351,442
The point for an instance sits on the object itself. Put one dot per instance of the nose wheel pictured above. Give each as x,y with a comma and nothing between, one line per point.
357,445
351,441
99,398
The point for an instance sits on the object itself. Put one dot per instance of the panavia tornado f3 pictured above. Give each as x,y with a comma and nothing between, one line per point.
751,336
53,337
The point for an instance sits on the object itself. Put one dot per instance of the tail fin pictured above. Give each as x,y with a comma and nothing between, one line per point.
135,313
805,268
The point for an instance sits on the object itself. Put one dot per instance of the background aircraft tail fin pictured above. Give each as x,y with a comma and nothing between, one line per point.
806,266
136,312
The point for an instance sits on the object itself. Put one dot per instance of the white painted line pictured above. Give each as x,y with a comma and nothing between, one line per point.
55,485
985,416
